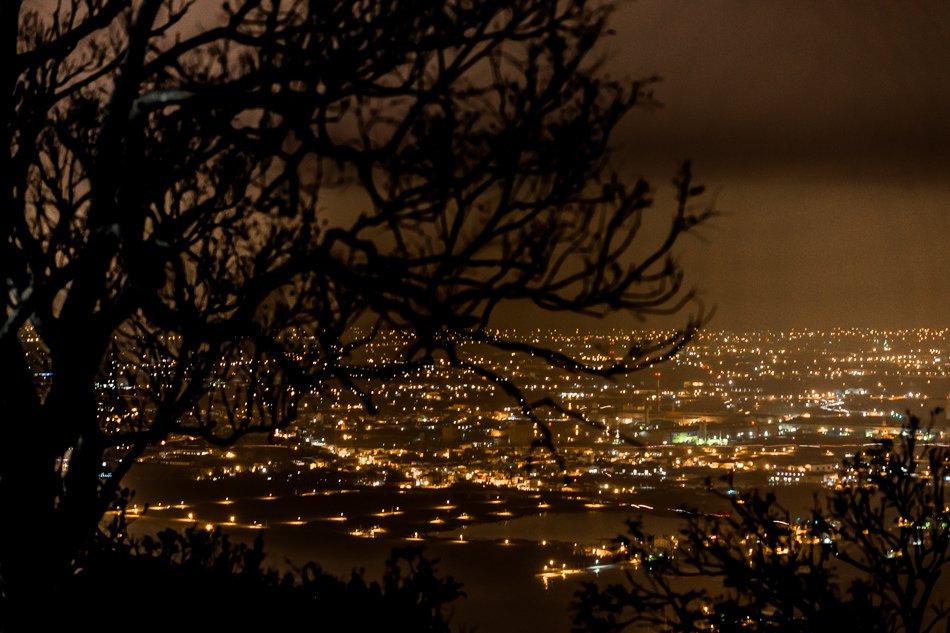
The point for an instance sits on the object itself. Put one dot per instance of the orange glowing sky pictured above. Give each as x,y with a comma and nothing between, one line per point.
824,128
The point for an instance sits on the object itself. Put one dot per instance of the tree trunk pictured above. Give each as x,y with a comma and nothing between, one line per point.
28,493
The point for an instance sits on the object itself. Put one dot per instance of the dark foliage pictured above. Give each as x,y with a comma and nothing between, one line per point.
869,558
199,580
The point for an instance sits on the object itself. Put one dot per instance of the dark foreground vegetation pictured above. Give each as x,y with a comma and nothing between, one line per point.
871,556
200,580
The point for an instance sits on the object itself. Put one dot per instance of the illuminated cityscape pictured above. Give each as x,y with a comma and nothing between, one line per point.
446,460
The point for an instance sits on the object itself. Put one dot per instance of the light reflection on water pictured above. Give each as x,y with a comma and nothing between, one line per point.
505,589
570,527
499,563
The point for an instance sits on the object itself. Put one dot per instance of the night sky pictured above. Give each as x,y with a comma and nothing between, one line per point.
824,129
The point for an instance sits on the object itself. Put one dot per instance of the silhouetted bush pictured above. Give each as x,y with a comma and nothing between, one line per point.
869,557
201,580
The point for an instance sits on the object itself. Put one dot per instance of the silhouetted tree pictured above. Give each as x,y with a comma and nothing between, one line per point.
869,558
210,211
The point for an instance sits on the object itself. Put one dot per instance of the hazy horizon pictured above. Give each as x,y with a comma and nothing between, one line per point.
821,128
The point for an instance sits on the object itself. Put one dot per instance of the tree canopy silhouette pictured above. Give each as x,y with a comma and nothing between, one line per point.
871,557
210,211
